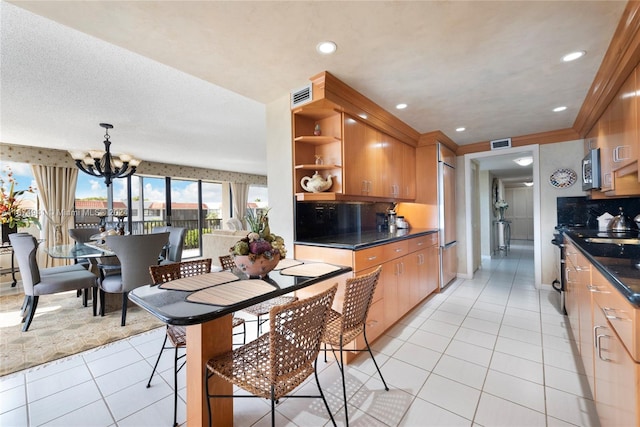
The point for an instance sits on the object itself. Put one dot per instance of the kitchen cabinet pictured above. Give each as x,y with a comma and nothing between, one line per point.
616,376
617,134
362,155
605,328
375,163
321,153
410,273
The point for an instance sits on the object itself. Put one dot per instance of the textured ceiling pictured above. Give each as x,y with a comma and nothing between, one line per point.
187,82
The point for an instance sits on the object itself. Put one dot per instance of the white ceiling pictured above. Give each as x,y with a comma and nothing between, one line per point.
187,82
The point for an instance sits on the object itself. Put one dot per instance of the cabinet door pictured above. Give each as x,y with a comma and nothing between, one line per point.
432,270
408,168
585,341
571,292
360,158
616,376
625,123
389,277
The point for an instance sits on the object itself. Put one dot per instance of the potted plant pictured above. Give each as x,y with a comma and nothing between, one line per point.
12,215
259,252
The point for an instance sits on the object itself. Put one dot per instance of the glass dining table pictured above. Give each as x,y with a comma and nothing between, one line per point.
205,306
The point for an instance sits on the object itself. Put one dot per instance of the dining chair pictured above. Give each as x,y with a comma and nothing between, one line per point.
177,335
83,235
343,328
175,246
260,310
36,281
276,363
136,253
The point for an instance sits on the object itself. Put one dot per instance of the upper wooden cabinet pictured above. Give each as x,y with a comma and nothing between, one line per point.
617,135
317,151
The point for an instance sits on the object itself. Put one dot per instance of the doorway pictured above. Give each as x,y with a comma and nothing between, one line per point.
524,205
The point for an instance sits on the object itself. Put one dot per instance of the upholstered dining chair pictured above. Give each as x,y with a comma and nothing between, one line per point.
136,252
177,335
260,310
83,235
343,328
37,282
276,363
175,246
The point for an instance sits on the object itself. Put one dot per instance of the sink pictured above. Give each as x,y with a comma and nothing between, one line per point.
614,240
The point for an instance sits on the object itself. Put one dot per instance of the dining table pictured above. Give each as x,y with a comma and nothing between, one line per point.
205,305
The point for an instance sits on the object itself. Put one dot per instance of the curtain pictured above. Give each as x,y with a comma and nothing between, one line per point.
57,193
240,193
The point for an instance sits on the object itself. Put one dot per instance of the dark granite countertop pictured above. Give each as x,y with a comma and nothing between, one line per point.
366,239
616,262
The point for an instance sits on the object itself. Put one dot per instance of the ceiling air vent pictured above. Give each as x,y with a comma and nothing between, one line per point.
301,96
498,144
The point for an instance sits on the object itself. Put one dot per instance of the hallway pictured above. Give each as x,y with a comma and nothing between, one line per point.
491,351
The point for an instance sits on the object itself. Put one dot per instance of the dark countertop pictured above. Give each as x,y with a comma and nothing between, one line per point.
366,239
171,307
615,262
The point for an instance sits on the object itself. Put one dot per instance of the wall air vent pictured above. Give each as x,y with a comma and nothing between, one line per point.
301,96
498,144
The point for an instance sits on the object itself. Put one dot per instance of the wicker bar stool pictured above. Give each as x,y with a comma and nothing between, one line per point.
260,310
343,328
177,335
276,363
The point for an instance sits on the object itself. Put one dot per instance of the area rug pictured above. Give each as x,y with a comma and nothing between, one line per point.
61,327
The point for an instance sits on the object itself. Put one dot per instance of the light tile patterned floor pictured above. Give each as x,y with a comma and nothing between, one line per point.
491,351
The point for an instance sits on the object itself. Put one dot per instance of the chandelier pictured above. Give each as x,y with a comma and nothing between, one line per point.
103,164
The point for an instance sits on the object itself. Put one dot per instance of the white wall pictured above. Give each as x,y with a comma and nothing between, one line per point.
553,156
280,170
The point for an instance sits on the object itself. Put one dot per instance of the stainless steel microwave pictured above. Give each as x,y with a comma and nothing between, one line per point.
591,170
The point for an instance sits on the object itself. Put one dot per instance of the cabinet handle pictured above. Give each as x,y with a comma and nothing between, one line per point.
402,268
617,158
599,347
420,243
398,250
595,335
583,268
371,258
605,310
594,289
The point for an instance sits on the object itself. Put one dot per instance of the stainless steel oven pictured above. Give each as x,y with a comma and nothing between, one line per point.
591,170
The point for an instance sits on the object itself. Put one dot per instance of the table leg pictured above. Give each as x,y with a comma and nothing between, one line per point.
203,342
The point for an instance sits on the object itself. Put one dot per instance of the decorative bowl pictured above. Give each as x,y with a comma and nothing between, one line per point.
256,265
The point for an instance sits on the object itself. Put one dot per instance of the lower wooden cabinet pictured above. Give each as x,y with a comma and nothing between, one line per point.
410,273
616,376
605,328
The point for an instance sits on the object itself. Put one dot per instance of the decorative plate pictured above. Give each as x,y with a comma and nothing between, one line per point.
563,178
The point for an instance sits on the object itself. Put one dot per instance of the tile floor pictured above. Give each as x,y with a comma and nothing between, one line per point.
491,351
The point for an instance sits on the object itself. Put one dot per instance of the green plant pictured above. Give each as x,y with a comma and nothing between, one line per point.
10,211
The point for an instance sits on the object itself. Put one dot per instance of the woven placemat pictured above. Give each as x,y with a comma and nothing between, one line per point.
286,263
231,293
201,281
310,270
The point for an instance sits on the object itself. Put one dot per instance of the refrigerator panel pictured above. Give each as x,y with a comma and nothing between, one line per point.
447,202
448,264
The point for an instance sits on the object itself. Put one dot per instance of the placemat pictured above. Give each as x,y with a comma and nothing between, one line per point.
201,281
310,270
231,293
286,263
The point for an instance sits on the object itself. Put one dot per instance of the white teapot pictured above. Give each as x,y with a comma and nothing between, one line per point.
316,184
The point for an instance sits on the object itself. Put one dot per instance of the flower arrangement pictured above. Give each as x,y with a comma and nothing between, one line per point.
501,204
10,211
260,242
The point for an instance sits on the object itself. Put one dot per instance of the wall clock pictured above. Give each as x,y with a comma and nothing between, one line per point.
563,178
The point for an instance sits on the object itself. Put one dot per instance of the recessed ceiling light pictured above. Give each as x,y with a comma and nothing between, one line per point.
461,129
573,56
326,48
524,161
558,109
528,183
401,106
